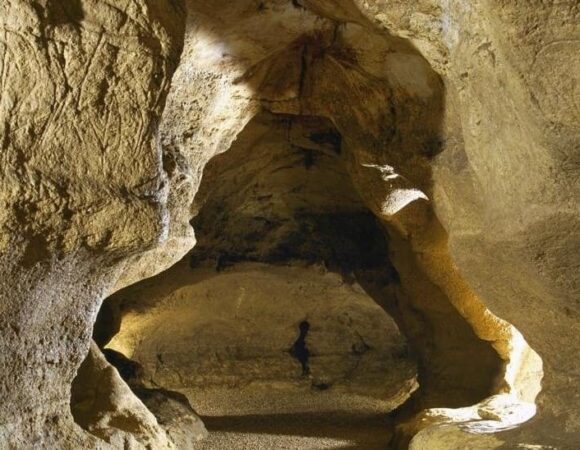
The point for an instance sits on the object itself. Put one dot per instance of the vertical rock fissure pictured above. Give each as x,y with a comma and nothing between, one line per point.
300,351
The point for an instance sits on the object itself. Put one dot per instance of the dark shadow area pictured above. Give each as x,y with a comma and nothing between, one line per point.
364,431
300,351
60,12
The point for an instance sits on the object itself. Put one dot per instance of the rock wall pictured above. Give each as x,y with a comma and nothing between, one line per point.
319,66
505,187
466,143
275,328
459,124
83,85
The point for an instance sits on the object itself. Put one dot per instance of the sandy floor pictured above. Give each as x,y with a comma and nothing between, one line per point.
297,431
256,420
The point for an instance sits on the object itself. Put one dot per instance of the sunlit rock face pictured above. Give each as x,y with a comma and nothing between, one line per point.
458,125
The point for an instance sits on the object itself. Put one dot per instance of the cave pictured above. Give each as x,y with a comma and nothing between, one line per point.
288,224
286,244
263,325
277,215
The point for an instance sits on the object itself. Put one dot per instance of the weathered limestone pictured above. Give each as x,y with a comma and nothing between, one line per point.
200,331
82,187
175,415
505,187
125,414
104,405
459,127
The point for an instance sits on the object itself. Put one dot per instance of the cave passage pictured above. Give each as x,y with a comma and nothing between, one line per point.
319,207
302,217
267,305
284,239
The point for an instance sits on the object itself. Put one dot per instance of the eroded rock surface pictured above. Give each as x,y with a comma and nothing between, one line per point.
83,85
109,400
459,131
103,404
243,326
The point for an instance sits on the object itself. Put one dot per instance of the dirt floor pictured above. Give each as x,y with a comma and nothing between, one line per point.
297,431
278,420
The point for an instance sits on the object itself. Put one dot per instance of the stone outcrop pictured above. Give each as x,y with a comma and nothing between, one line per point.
104,405
175,415
458,130
114,406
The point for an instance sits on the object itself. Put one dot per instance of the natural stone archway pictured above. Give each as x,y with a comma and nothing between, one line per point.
472,173
281,234
325,71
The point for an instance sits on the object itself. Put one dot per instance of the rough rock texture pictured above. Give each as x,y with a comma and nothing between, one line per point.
108,400
275,157
104,405
83,84
266,308
243,326
282,195
459,130
175,415
506,184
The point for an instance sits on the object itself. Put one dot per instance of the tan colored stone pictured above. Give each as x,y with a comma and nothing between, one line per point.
105,406
460,131
82,88
204,330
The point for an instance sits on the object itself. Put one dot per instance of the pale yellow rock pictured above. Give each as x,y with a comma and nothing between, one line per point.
82,187
459,124
104,405
238,327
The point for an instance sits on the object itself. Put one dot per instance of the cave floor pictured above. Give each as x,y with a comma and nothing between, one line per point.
297,431
316,420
